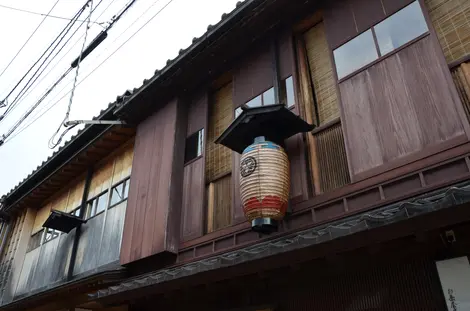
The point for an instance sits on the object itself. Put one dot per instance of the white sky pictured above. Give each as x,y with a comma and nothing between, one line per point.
171,30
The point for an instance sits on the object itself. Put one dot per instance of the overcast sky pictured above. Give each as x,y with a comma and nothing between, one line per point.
171,30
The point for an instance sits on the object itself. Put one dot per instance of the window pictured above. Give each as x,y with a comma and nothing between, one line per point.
194,145
287,92
264,99
35,240
400,28
76,212
355,54
120,192
390,34
97,205
50,234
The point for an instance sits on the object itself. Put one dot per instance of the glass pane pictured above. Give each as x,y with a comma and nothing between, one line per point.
400,28
290,100
116,194
355,54
126,188
268,97
255,102
238,112
101,205
200,144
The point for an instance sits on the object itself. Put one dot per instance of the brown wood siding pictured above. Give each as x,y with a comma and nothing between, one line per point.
123,162
286,55
146,227
192,213
332,159
451,20
461,76
254,75
399,106
219,206
367,13
238,215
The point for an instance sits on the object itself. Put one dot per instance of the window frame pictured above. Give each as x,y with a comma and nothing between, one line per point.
55,234
381,56
125,181
93,199
202,142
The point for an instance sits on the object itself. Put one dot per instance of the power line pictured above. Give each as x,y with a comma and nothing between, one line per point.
53,144
96,68
25,95
22,47
43,14
66,29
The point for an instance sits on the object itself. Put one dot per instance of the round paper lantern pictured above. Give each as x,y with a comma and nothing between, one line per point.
264,184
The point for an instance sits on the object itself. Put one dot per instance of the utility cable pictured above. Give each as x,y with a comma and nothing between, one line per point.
66,29
24,44
53,144
22,98
45,14
6,139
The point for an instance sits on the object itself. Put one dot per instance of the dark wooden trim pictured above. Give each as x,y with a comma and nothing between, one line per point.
326,125
194,160
383,57
376,42
456,141
215,235
459,61
276,75
76,238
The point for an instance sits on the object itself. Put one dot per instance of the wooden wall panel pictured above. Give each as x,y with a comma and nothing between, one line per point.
286,55
151,215
111,241
399,107
88,250
367,13
339,22
254,75
197,114
192,213
392,6
75,194
238,215
193,208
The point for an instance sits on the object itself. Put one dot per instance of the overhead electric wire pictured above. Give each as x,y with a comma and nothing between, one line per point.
44,14
27,40
97,67
66,29
22,98
35,75
52,143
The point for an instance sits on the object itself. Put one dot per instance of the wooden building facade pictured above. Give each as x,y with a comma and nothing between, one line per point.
379,189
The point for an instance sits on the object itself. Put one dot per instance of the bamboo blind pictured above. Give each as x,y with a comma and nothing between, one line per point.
123,164
218,157
75,194
219,196
451,20
332,160
101,179
461,75
41,216
321,72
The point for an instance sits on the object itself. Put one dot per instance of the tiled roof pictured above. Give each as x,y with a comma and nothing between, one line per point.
430,202
121,99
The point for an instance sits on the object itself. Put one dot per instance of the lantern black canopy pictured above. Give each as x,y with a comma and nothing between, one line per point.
63,222
275,122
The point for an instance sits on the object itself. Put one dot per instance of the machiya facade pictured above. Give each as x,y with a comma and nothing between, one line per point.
149,215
